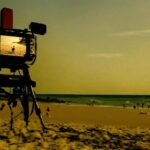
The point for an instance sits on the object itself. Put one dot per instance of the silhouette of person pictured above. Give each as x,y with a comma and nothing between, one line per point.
13,49
48,112
134,106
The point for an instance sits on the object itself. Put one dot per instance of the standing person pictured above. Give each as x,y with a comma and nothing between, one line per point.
13,49
48,112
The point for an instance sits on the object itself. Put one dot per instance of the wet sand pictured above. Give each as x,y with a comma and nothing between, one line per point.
78,127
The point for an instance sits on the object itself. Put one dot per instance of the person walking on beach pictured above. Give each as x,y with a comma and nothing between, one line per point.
134,106
142,105
48,112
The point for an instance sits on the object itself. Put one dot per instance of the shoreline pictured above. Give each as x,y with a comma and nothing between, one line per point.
95,105
87,114
130,105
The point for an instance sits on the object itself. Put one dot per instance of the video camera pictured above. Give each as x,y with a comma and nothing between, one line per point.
17,47
18,50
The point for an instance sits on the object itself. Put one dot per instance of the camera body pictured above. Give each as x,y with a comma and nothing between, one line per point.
16,47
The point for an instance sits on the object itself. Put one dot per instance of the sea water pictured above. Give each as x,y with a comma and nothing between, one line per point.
113,100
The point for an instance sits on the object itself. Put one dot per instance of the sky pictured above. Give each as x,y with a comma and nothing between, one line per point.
91,46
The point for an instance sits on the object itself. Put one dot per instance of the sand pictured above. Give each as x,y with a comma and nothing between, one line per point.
113,116
73,127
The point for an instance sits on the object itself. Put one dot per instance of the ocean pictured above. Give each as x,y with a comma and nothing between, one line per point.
112,100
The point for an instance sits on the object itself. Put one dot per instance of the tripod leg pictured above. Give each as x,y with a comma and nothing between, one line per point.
25,105
37,108
32,93
11,118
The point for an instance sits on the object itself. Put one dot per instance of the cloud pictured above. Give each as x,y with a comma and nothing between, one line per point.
132,33
106,55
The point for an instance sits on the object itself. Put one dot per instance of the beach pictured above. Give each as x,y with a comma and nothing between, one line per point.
100,115
78,127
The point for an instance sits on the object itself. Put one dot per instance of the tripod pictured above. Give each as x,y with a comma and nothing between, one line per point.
25,85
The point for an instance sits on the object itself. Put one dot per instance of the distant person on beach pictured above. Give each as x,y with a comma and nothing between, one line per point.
48,112
134,106
142,105
138,105
124,105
